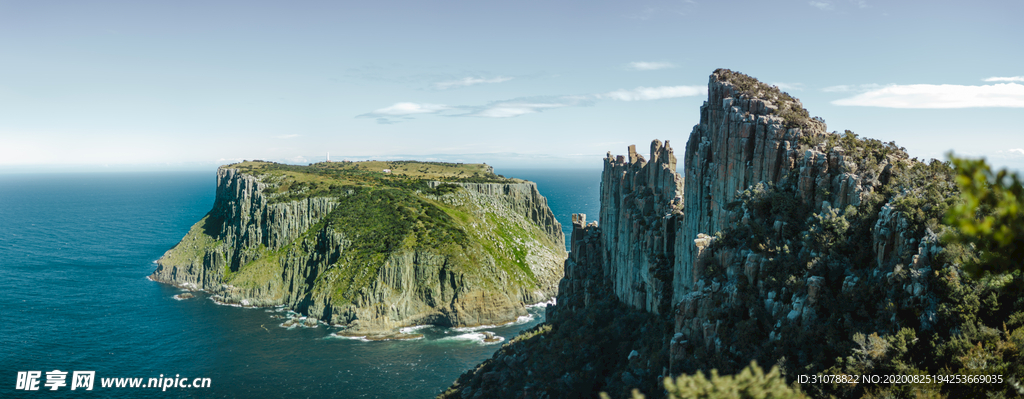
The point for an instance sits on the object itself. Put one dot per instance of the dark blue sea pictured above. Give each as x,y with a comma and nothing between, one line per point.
75,250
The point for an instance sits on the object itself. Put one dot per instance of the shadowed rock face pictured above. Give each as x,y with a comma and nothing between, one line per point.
693,259
252,252
640,209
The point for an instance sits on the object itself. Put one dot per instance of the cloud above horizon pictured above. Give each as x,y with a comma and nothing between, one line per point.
407,108
1006,79
944,96
649,66
528,105
654,93
470,81
821,5
788,86
508,109
846,88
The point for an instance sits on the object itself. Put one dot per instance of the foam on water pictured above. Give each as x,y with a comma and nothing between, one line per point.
234,305
336,336
474,328
474,336
553,301
409,330
518,321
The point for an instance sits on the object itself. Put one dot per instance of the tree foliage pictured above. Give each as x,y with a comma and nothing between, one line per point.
990,216
750,383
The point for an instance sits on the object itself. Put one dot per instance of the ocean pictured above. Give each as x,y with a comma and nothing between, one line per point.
75,250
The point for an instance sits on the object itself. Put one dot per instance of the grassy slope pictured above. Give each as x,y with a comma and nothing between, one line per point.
193,246
382,214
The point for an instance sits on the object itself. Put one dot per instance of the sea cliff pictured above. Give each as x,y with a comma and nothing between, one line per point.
813,251
369,251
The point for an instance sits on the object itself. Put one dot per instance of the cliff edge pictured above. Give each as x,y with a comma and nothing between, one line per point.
373,250
780,242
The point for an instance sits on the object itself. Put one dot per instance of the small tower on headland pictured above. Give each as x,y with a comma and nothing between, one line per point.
328,157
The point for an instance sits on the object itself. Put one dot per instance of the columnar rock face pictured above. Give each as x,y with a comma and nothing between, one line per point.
740,142
737,143
253,252
655,230
776,244
640,206
582,282
522,199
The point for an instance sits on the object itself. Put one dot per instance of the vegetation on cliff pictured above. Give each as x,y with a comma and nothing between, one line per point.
373,245
989,218
825,254
784,105
295,182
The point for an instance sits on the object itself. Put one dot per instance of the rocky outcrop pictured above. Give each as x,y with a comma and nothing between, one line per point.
520,199
774,244
741,142
641,205
582,283
252,251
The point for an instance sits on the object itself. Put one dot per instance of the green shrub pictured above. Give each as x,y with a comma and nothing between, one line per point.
989,217
751,383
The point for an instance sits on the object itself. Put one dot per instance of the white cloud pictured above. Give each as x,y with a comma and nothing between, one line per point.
469,82
654,93
940,96
845,88
528,105
1016,150
511,109
649,66
1006,79
788,86
400,109
644,14
838,88
821,5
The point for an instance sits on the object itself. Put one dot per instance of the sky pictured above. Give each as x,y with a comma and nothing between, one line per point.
190,85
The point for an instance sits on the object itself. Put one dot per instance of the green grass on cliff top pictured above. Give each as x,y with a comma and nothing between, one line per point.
381,214
335,179
378,214
384,221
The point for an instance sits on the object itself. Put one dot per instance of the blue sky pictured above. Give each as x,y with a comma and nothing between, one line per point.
95,85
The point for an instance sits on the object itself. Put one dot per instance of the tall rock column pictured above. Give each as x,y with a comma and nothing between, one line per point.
750,133
640,206
739,142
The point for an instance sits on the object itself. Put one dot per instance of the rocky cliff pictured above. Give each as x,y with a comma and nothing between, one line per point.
780,242
640,209
372,258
